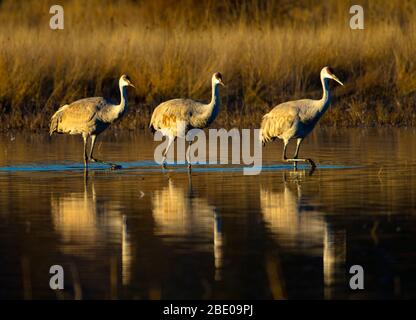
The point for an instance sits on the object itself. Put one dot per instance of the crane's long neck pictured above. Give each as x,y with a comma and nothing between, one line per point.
214,105
117,111
324,102
123,100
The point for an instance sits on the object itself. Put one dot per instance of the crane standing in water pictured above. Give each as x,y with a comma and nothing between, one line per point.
90,117
296,119
174,118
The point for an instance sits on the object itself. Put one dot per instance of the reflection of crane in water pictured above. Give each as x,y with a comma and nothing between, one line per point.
179,214
299,229
126,254
88,227
82,221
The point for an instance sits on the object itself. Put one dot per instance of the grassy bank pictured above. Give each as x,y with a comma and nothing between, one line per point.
268,52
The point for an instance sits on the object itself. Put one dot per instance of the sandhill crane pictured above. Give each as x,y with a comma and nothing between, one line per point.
174,118
89,117
296,119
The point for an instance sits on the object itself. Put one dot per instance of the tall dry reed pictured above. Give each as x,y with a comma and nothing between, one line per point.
269,52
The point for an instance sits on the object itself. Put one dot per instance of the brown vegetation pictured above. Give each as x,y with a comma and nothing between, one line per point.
268,51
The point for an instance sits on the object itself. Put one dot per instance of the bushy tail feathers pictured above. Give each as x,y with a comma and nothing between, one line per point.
53,127
265,131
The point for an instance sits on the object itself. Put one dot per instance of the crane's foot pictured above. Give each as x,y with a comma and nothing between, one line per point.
295,162
113,166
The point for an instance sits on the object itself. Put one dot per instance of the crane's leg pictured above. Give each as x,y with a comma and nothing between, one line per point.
171,140
188,155
92,159
85,137
298,143
295,159
93,138
285,143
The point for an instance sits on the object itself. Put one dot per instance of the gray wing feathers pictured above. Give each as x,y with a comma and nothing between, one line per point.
170,114
280,120
77,117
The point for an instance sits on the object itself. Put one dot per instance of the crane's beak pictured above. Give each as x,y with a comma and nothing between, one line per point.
130,84
337,80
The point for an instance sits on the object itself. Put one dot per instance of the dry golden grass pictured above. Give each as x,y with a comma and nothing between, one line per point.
268,51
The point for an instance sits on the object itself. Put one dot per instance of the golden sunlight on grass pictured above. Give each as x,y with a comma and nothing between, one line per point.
269,52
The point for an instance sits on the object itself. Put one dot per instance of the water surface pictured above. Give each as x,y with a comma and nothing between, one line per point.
141,233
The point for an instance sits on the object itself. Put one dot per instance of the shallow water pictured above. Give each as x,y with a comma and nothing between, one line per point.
140,233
